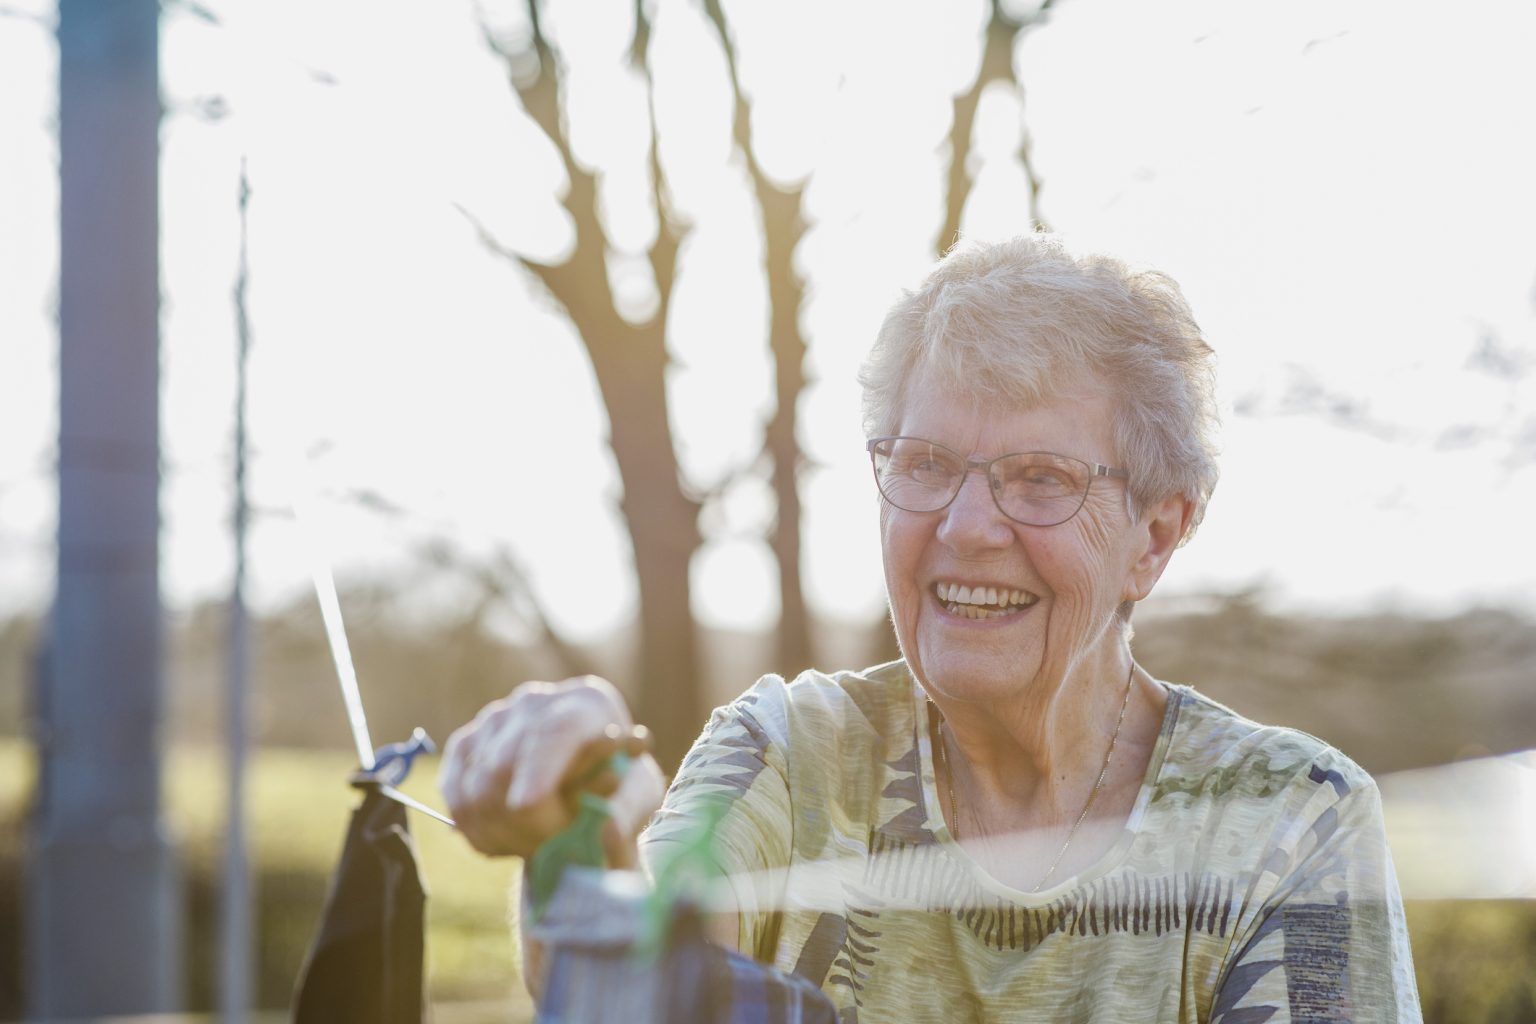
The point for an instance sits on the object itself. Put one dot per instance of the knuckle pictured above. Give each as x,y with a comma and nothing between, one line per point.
459,745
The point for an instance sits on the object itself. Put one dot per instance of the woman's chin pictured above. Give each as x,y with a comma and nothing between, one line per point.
975,659
973,678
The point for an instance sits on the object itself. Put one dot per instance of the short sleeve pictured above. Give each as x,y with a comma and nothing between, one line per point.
1330,942
738,762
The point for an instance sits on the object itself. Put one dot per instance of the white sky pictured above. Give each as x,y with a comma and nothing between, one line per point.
1342,188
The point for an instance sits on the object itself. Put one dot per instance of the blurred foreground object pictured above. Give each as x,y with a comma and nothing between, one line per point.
601,970
627,949
103,913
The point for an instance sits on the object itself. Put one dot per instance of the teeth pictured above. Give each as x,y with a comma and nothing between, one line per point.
982,599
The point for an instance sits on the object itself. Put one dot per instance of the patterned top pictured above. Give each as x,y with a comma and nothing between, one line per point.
1252,882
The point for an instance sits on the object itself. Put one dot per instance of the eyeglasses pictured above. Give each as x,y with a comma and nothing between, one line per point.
1034,488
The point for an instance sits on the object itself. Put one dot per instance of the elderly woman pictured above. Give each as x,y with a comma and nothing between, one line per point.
1046,832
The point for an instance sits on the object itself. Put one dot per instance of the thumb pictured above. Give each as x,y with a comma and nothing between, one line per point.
638,795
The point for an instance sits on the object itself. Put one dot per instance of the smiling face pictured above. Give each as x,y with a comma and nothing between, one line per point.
987,608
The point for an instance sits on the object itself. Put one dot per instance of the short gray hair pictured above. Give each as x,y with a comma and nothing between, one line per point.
1010,322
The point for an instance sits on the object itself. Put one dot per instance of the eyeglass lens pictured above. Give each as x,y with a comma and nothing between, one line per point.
1035,488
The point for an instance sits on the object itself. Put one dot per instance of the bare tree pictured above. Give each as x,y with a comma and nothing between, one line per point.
783,226
629,361
1003,33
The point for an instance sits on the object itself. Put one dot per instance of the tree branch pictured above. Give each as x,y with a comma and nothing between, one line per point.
541,97
499,248
1002,35
783,228
629,362
671,229
504,580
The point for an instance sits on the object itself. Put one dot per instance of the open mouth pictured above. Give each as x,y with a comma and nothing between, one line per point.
981,602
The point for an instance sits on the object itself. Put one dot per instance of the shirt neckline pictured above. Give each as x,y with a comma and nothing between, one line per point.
1113,857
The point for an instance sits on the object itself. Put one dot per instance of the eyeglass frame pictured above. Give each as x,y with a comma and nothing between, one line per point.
984,466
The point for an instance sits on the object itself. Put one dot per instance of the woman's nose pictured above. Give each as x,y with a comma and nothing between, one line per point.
973,519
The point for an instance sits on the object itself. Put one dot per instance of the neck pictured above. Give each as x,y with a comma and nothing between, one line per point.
1038,757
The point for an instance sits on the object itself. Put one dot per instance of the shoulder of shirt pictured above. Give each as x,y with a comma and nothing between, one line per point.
880,695
1218,747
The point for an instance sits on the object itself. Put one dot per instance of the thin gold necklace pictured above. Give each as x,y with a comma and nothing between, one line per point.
1109,755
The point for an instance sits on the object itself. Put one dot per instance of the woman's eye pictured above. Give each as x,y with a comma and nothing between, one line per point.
1043,480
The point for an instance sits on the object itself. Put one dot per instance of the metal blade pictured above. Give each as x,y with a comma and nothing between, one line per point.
341,651
335,632
415,805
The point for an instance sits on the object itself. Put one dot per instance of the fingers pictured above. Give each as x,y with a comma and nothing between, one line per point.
577,713
592,769
633,802
479,757
510,777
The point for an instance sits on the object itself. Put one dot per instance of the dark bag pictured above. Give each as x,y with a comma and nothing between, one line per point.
365,966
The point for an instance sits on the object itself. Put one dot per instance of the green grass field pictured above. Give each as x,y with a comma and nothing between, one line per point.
299,806
1476,960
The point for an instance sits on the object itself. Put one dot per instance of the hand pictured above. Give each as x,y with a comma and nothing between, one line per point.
511,778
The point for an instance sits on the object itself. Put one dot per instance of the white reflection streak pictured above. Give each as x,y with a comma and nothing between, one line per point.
1465,830
1458,831
918,878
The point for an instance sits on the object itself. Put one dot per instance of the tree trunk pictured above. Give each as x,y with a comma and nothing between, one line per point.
663,529
783,227
629,361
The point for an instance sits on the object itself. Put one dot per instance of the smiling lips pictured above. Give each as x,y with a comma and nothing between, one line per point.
981,602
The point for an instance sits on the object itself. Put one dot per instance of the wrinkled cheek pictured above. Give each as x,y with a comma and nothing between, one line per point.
1085,595
1073,627
1094,627
899,588
905,611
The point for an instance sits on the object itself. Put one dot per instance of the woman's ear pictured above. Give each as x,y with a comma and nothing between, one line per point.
1158,533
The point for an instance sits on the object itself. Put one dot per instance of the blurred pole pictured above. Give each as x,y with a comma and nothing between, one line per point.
103,911
235,949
